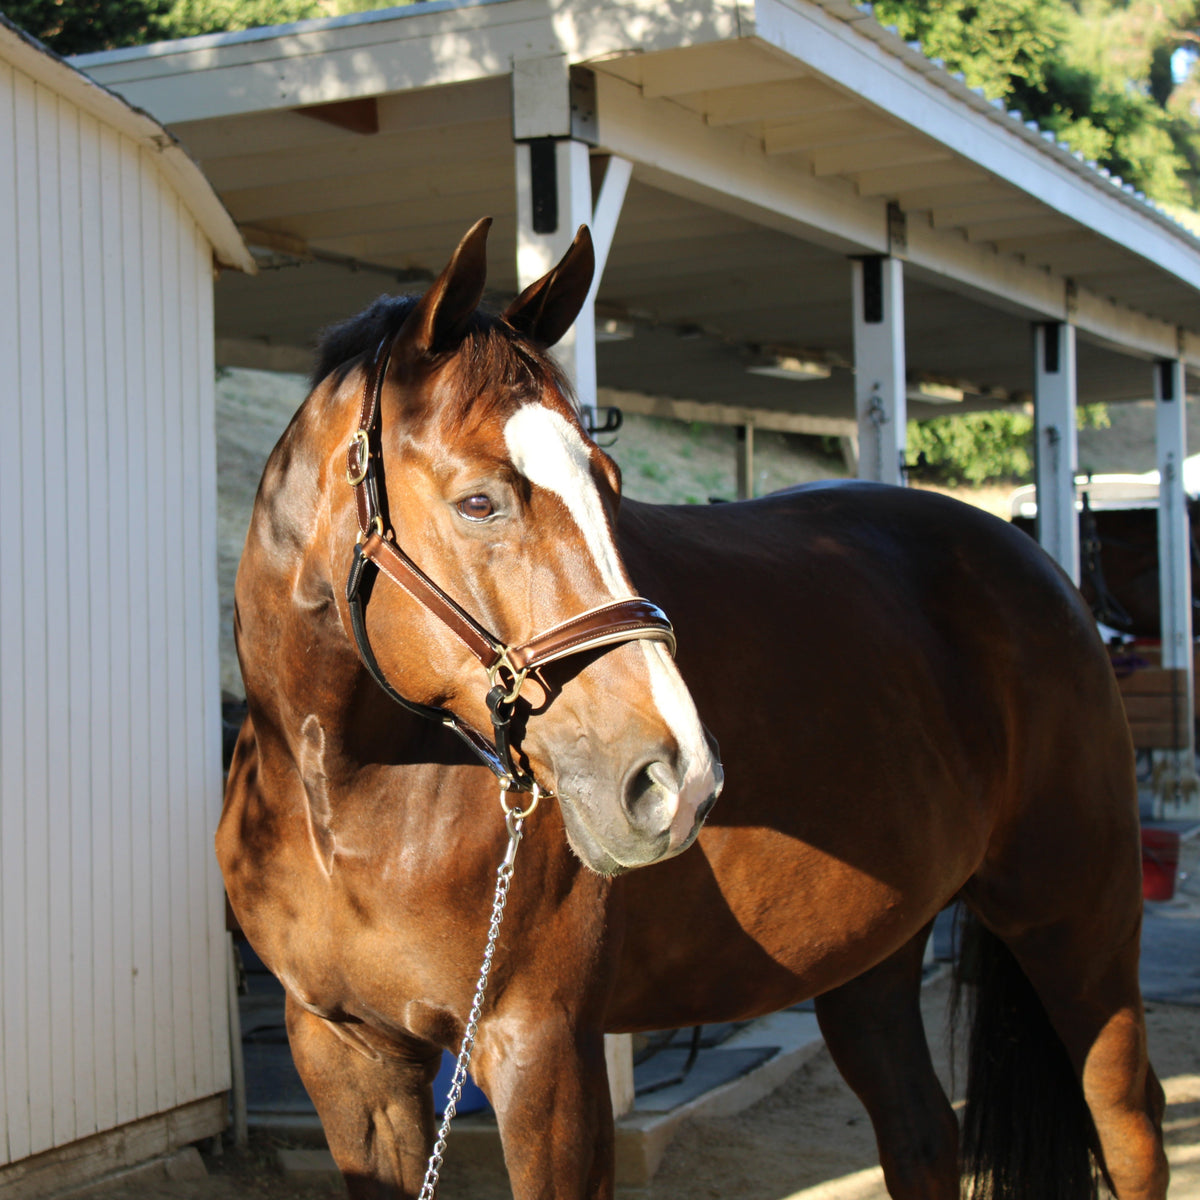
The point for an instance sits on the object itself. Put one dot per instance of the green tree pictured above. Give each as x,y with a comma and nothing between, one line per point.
996,44
983,447
188,18
976,447
1097,73
79,26
83,26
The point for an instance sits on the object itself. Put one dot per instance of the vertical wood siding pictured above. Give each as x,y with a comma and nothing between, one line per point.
112,989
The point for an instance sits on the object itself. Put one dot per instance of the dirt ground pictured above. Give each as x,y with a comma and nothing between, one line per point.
810,1140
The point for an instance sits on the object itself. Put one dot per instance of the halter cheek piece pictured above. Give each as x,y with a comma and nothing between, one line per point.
377,552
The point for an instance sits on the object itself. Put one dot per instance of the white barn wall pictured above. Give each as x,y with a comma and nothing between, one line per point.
112,953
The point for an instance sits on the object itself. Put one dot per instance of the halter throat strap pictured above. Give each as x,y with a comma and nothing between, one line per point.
378,553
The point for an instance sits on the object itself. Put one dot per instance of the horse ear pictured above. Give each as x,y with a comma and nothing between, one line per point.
545,310
441,316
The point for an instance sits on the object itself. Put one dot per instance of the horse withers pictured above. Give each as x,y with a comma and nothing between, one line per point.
912,706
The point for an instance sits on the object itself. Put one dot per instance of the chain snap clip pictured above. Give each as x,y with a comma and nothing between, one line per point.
514,818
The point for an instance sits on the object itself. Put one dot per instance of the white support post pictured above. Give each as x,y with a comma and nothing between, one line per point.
745,462
554,197
880,382
607,212
1177,790
1056,454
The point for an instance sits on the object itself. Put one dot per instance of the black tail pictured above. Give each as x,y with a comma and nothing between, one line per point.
1027,1130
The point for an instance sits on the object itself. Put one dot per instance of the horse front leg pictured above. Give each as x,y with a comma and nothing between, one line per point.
375,1103
548,1083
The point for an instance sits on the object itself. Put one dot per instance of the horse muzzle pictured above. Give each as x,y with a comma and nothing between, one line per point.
661,807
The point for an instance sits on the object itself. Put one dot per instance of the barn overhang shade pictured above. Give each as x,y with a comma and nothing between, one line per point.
770,143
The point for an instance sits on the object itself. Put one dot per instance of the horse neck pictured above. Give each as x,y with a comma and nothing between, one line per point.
299,662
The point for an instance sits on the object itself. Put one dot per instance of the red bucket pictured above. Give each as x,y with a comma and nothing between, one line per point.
1160,860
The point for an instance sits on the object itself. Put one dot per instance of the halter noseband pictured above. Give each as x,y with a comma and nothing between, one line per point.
377,552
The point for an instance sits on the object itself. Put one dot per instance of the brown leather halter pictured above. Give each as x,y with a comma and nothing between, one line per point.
506,666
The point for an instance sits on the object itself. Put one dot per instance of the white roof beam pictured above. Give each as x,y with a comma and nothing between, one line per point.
888,78
877,155
1001,281
828,129
476,177
722,65
1031,244
1079,261
954,216
1129,332
890,181
799,97
347,156
977,191
675,150
314,62
1018,227
606,212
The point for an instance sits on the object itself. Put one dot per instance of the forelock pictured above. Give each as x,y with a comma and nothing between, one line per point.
493,360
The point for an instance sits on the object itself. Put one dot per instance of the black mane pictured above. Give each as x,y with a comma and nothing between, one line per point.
338,346
492,357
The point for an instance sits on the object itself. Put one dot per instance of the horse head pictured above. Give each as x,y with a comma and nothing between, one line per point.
485,485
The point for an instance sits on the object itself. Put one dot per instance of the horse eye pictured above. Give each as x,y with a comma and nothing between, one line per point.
476,508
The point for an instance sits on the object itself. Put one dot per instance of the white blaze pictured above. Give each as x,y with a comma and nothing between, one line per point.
549,451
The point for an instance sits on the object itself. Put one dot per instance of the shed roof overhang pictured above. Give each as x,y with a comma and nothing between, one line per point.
30,57
770,140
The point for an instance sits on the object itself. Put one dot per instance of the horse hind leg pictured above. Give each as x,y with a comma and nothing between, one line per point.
1044,991
1098,1014
873,1029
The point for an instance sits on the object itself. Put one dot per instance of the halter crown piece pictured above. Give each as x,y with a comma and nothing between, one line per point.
377,552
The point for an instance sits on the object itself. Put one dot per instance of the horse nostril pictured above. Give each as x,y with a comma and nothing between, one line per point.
662,775
650,789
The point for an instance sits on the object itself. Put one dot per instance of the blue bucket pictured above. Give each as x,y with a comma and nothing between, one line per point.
471,1100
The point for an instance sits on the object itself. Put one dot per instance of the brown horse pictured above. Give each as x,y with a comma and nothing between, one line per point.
912,706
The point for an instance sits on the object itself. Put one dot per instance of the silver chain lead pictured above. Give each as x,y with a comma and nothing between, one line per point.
514,820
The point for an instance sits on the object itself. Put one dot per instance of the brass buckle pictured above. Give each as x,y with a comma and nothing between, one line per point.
364,458
376,527
518,677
